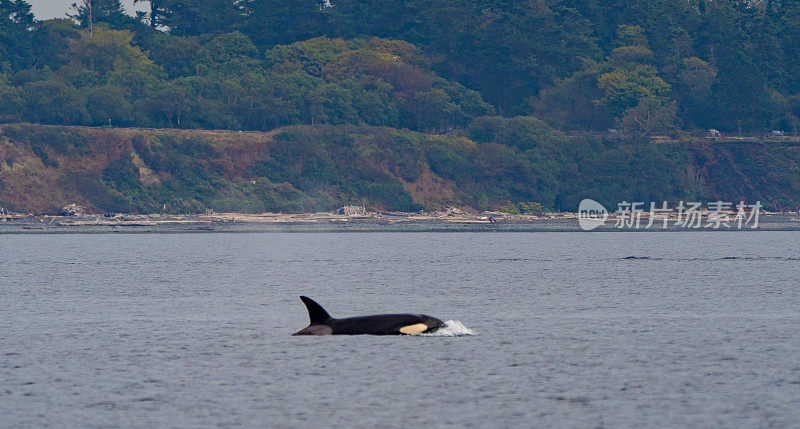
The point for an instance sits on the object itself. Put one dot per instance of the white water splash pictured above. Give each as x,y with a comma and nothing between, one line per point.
451,328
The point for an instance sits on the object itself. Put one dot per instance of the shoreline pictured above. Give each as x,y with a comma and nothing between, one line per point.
451,221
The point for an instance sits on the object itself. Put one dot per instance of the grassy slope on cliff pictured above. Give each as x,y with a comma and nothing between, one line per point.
496,162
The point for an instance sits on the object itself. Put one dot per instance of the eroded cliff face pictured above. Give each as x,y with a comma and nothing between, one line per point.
25,182
44,168
315,168
748,170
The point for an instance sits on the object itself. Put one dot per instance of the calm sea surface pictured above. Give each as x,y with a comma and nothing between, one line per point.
572,330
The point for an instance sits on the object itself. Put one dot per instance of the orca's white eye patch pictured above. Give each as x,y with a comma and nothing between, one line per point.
414,329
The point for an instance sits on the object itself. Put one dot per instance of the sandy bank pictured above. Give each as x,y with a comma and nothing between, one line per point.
452,220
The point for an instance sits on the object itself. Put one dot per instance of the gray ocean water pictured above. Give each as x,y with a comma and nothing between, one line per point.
572,330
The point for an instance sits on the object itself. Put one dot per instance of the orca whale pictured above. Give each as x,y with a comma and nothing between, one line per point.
381,324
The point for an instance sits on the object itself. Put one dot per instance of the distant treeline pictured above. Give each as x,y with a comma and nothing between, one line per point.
427,65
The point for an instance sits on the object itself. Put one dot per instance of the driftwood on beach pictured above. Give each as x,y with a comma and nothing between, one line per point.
349,218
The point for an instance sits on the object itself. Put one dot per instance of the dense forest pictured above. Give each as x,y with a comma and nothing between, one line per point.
426,65
507,76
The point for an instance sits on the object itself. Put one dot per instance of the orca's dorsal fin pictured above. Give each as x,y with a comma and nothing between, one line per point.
316,313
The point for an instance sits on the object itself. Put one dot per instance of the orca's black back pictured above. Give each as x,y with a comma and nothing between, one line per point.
381,324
